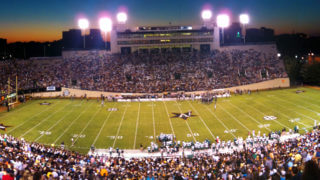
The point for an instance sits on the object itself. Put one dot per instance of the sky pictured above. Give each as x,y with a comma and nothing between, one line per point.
44,20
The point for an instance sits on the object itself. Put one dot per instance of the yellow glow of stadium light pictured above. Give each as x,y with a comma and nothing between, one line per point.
122,17
223,20
83,23
105,24
244,18
206,14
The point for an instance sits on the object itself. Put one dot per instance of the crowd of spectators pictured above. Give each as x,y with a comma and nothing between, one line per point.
296,158
145,73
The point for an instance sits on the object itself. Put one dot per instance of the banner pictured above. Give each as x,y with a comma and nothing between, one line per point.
51,88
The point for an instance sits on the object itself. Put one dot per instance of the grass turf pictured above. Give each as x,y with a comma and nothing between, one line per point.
137,123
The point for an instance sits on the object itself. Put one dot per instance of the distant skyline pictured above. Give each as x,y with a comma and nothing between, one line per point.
41,20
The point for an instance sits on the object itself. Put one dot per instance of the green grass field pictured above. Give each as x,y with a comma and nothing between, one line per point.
138,123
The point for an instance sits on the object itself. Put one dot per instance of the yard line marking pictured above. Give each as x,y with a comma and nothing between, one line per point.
74,120
297,112
32,117
104,123
25,105
56,123
266,115
137,123
92,117
114,142
154,125
169,118
202,120
235,119
248,115
303,97
298,105
186,122
43,120
288,116
220,121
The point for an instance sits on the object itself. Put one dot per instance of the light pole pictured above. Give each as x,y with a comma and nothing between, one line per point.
244,20
105,26
223,21
83,24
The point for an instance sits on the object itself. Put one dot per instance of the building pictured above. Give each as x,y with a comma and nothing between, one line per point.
165,38
94,40
3,48
260,35
232,34
72,39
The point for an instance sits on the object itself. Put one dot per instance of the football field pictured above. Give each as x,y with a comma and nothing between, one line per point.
126,125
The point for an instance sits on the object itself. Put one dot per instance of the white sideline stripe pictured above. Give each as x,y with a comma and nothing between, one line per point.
301,99
71,124
104,123
154,124
43,120
202,120
24,105
137,123
169,118
92,117
220,121
298,105
248,115
235,119
297,113
56,123
266,115
33,117
114,142
186,122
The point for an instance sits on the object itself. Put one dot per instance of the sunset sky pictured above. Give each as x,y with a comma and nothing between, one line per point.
44,20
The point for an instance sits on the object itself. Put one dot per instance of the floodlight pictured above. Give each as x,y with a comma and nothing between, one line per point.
244,18
122,17
223,20
279,55
105,24
206,14
83,23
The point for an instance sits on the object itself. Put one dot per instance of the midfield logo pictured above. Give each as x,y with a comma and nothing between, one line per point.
183,116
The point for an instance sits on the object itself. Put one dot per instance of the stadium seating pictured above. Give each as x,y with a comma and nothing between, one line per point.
296,158
146,73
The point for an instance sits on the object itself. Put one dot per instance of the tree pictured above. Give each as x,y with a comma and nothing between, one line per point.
311,74
293,67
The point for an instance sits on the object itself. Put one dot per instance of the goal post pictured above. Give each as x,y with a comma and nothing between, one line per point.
12,94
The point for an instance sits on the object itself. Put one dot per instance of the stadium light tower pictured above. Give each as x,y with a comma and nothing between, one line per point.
105,26
206,15
122,17
244,20
83,24
223,21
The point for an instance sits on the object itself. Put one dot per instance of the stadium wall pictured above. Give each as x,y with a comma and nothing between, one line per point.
265,48
81,53
270,84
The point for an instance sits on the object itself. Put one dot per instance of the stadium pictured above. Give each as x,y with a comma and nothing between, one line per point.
158,102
